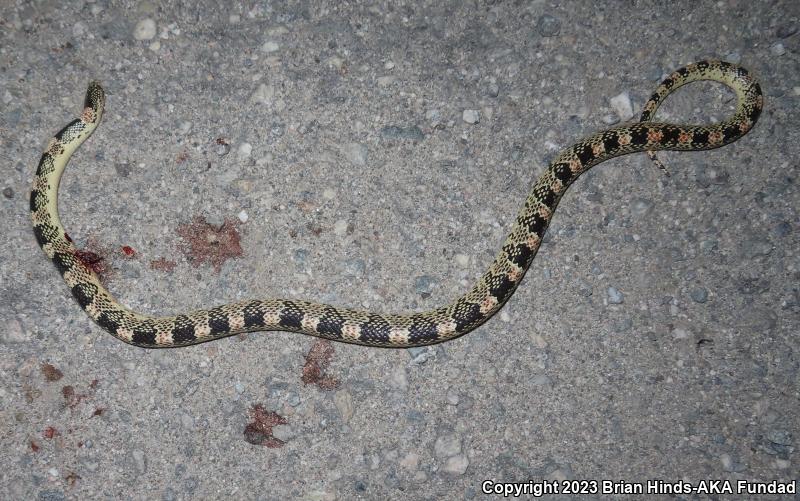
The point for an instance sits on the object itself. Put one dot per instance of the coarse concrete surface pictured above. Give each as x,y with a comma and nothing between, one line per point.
374,154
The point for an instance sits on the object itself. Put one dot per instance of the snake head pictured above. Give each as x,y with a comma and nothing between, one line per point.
94,103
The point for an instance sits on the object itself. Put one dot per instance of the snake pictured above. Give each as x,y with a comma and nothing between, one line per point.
468,311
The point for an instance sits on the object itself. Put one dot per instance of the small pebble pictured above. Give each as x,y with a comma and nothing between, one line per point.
452,396
399,379
699,295
548,26
730,464
388,65
385,81
356,153
419,354
621,104
263,94
434,116
423,284
610,119
139,460
270,46
471,116
245,149
777,49
355,267
462,260
340,227
223,149
786,30
8,192
615,296
145,29
78,29
680,333
7,97
293,399
283,432
411,132
457,464
343,400
233,19
410,461
447,445
155,46
242,216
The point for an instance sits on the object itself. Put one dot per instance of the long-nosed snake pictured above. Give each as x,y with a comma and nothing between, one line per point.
462,315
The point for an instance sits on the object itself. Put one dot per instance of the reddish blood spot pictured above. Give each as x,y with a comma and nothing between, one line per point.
93,384
259,432
207,243
128,251
71,398
162,264
98,411
51,373
49,433
317,361
34,446
91,260
72,478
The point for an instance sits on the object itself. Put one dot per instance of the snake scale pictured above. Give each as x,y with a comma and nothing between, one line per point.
462,315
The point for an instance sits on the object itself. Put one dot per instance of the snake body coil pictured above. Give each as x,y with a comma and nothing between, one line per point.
467,312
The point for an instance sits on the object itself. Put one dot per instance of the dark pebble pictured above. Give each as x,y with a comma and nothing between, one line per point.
412,132
786,30
548,26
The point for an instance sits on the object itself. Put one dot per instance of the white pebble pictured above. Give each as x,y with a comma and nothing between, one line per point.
264,94
680,333
233,18
336,62
7,97
243,216
245,149
622,105
356,153
410,461
270,46
155,46
329,194
388,65
471,116
385,81
78,29
340,227
457,464
777,49
145,29
462,260
399,379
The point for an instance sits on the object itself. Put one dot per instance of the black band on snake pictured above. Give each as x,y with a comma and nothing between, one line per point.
460,316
